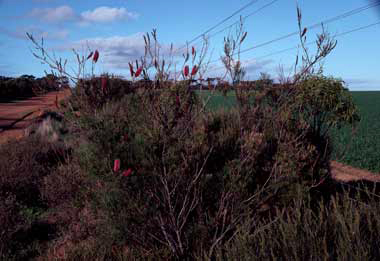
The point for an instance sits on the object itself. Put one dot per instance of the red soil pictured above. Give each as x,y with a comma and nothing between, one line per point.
345,173
16,116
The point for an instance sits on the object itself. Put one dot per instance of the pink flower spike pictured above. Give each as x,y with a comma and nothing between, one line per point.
104,84
127,172
96,56
116,165
194,71
138,72
193,50
186,71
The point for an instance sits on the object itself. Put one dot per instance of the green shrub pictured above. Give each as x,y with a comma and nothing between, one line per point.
345,228
96,91
28,86
23,167
194,173
155,174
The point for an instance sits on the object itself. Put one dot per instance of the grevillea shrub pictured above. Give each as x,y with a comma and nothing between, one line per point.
96,91
165,177
178,179
23,167
345,227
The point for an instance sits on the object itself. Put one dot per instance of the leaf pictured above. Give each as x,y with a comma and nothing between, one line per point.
299,15
243,38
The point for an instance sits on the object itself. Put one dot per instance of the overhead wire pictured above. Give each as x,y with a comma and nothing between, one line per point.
245,17
217,24
319,24
309,43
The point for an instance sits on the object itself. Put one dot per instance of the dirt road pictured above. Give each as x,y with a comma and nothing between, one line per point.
16,116
345,173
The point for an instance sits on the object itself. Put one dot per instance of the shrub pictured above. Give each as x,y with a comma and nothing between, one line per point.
343,228
194,173
96,91
161,176
23,166
28,85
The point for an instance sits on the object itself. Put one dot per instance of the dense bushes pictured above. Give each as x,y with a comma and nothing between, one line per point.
191,183
23,167
153,173
28,85
344,228
190,173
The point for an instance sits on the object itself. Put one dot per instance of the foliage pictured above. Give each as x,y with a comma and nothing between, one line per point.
364,149
343,228
97,91
187,172
28,85
325,103
23,167
150,171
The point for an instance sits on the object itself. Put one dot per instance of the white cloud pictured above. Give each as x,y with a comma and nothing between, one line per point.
58,14
252,68
58,35
358,81
116,51
107,14
362,83
64,13
20,33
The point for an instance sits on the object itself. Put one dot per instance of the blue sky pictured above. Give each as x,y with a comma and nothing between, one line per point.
115,27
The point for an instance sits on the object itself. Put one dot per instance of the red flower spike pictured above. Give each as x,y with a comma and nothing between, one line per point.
186,71
194,71
90,55
125,137
304,32
138,72
104,84
127,172
131,69
116,165
193,50
96,56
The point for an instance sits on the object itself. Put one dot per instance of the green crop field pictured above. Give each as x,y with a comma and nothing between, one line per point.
364,149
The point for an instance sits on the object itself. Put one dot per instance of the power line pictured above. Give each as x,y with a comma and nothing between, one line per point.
358,29
245,17
237,22
219,23
327,21
309,43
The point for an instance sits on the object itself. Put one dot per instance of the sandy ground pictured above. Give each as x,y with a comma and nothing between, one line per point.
345,173
16,116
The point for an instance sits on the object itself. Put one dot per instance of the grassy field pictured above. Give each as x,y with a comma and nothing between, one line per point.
364,150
